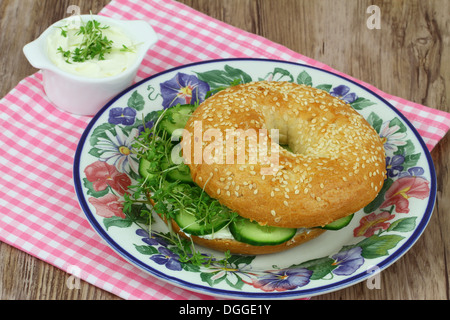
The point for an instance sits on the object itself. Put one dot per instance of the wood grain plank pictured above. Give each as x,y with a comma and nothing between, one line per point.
242,14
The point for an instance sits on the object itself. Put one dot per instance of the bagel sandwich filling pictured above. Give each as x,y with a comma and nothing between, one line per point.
260,167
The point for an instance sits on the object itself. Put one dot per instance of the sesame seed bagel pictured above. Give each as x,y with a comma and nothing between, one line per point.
335,166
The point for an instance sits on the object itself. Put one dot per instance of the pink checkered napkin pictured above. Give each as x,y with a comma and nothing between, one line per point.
39,212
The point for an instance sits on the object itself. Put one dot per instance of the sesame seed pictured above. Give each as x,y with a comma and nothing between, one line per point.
303,170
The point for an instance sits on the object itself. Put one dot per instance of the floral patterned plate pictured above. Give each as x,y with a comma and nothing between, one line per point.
378,235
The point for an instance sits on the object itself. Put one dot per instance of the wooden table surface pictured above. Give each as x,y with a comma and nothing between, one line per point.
409,56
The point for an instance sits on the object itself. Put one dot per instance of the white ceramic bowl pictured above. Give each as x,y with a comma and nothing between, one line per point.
82,95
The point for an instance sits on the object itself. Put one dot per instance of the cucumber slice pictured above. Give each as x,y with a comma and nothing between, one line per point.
180,173
250,232
338,224
189,224
177,172
176,117
144,168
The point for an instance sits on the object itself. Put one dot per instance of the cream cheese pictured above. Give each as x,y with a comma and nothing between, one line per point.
113,64
225,233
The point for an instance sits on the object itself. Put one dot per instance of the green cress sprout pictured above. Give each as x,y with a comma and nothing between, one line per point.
94,43
169,197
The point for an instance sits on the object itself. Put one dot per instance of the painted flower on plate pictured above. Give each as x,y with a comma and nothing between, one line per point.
394,168
116,149
403,189
391,138
348,261
167,258
282,280
183,89
373,222
233,275
343,92
125,116
147,125
394,165
102,175
152,239
413,172
108,206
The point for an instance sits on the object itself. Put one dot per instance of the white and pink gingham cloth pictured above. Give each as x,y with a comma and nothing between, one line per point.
39,210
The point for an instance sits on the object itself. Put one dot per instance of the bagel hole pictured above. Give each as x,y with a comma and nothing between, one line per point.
291,134
289,140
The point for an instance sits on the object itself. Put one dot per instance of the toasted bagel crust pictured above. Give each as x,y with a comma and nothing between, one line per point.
336,167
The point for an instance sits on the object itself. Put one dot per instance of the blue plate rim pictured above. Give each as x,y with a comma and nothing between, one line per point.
300,293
